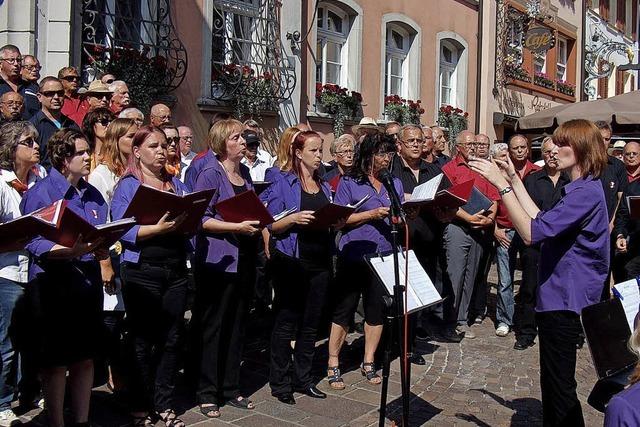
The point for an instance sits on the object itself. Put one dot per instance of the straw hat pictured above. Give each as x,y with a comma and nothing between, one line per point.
617,146
366,123
96,86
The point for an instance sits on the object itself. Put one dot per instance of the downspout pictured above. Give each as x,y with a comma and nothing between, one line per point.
479,65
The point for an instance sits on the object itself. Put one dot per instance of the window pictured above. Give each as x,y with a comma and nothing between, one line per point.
233,32
330,49
539,63
397,49
561,59
448,75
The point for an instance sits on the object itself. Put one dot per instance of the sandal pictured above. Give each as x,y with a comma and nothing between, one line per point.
335,379
241,403
210,410
170,419
370,373
141,420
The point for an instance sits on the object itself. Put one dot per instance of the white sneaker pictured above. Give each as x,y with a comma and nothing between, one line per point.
8,418
502,331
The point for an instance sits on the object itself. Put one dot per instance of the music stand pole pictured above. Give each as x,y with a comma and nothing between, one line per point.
396,314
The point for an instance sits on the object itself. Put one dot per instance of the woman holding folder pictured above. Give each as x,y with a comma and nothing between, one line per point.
304,253
65,290
225,273
19,155
154,275
367,232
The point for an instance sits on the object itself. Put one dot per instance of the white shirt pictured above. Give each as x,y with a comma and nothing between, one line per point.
105,181
185,161
13,265
263,161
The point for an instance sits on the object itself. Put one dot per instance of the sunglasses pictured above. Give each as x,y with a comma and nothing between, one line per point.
29,142
52,93
108,82
173,140
32,67
104,122
71,78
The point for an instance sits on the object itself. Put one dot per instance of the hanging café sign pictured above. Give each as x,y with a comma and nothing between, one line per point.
539,39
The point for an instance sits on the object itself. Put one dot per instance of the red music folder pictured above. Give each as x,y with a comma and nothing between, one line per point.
60,224
331,213
149,205
247,206
450,198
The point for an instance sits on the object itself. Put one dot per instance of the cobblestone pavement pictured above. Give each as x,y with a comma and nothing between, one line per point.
479,382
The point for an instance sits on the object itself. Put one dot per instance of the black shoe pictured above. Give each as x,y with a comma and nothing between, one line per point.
417,359
422,334
312,391
523,344
286,398
449,335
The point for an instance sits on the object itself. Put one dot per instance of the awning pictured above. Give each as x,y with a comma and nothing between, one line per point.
623,109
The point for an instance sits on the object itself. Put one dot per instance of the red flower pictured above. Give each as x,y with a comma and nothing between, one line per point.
421,111
466,114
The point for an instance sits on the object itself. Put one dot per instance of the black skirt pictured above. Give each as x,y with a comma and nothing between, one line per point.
64,306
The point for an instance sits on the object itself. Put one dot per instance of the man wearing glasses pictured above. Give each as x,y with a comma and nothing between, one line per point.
30,69
50,118
11,80
631,159
11,107
75,107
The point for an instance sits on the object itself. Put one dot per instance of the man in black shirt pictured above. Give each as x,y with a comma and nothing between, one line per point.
425,231
11,80
544,187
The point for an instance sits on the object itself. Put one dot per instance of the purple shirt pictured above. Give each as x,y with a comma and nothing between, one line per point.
88,203
122,196
623,410
220,250
574,255
373,236
284,194
195,167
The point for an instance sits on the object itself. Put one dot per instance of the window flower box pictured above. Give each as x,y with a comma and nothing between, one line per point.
543,80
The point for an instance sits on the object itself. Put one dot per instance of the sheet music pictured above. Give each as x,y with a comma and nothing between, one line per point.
113,302
629,295
420,290
427,190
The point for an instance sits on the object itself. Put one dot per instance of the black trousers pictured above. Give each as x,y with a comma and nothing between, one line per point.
478,306
558,335
300,295
221,307
155,295
525,310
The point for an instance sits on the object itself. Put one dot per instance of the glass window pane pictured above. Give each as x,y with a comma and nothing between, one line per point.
447,55
333,51
398,40
320,19
319,61
561,72
445,78
334,22
445,96
396,85
539,63
333,73
396,66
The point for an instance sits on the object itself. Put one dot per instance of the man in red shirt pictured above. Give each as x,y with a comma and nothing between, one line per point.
463,235
75,107
509,243
631,159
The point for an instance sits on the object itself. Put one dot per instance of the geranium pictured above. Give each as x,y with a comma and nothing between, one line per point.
454,119
339,102
402,110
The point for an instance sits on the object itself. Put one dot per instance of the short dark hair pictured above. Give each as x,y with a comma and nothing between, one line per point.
65,70
9,48
370,145
601,124
62,145
46,80
168,125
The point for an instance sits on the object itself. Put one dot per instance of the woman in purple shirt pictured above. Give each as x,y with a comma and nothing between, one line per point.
154,276
367,232
574,256
65,289
225,273
303,253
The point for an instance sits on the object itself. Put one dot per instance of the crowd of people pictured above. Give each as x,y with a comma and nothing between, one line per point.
92,147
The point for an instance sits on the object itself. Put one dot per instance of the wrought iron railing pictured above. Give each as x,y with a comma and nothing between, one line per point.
135,40
248,62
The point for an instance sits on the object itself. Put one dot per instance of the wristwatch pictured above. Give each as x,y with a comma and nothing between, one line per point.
505,190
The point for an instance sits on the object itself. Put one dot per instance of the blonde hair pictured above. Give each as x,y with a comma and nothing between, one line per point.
220,132
110,152
284,147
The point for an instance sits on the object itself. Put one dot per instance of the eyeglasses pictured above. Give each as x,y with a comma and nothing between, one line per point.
108,82
32,67
71,78
16,60
187,138
480,144
104,122
28,142
345,153
106,96
162,118
412,142
384,155
631,154
52,93
173,140
18,104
